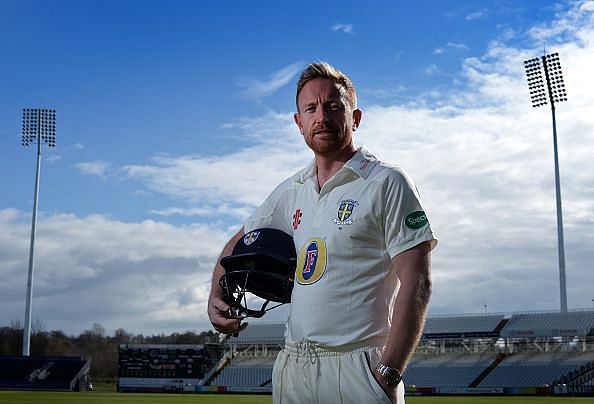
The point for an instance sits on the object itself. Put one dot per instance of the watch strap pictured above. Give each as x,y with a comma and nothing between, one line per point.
392,376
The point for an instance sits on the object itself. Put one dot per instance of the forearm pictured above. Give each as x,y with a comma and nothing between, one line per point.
410,309
408,320
219,271
219,311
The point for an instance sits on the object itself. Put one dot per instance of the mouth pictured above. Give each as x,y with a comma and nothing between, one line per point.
325,132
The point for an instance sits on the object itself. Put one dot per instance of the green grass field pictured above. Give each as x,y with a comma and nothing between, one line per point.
28,397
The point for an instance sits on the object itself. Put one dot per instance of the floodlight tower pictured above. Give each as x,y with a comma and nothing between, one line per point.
554,92
38,125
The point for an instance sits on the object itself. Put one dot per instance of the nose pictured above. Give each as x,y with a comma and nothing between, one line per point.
321,114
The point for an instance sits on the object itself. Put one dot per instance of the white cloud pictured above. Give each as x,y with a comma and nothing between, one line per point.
97,167
240,179
431,70
255,88
52,158
386,92
346,28
450,45
95,269
477,15
568,27
239,213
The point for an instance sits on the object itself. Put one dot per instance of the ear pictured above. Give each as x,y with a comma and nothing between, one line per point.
357,115
297,119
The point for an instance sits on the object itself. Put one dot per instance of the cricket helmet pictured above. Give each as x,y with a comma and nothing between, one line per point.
262,263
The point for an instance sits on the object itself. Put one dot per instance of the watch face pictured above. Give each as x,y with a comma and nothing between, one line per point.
392,376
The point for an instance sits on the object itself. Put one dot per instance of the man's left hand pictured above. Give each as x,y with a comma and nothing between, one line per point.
390,390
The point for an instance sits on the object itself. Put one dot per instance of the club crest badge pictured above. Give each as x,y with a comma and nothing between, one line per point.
345,211
250,237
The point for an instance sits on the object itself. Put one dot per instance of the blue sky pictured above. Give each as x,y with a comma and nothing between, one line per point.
174,121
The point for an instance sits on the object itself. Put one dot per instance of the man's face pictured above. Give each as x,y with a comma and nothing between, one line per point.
325,117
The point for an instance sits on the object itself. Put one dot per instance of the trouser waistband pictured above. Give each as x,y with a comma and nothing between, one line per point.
306,348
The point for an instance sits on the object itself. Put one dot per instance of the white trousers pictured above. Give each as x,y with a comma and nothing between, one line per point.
305,373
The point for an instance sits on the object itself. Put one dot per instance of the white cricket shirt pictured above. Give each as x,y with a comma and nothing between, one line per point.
345,237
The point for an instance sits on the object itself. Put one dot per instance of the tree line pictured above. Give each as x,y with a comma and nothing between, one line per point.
91,344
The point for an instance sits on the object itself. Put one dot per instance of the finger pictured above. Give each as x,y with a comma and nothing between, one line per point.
224,321
226,325
240,328
221,305
232,326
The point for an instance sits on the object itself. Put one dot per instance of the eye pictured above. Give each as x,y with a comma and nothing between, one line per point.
309,108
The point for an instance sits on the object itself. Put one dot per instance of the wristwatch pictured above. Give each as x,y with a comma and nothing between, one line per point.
391,375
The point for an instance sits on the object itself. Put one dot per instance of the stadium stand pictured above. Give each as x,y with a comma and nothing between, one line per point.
262,334
247,372
554,324
523,353
447,370
529,369
462,324
253,353
44,373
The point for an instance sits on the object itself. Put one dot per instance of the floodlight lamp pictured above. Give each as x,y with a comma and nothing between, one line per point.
39,124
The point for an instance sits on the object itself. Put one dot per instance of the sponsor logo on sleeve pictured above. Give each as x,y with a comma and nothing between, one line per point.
416,220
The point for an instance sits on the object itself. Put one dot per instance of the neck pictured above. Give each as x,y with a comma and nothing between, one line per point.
329,164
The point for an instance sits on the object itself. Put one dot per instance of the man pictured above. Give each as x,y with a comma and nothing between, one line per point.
362,283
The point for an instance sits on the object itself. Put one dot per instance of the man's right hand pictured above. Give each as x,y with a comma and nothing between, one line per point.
221,317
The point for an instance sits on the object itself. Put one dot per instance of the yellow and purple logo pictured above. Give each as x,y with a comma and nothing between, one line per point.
312,261
345,210
249,238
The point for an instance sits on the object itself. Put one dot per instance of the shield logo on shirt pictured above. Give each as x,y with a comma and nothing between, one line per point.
345,210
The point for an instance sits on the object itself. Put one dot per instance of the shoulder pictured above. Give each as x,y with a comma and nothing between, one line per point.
284,188
289,185
371,167
390,174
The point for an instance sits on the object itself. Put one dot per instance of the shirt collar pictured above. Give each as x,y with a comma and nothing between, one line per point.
362,163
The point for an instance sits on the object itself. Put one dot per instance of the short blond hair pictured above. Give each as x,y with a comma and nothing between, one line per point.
326,70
